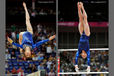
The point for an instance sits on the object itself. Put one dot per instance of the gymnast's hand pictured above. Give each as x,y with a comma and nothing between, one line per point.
52,37
10,40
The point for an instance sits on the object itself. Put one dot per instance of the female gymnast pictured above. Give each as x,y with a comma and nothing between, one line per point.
25,38
84,29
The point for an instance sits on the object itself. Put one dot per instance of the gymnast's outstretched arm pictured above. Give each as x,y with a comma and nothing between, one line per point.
76,59
43,41
13,43
88,57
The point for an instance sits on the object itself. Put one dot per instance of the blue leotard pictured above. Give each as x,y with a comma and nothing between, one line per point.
83,45
28,41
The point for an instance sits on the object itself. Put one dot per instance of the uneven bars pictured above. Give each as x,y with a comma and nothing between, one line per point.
77,49
83,73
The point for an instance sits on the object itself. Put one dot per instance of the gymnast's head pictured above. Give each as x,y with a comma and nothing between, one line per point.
27,52
83,54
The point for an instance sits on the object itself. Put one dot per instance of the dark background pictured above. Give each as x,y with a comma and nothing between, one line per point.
97,10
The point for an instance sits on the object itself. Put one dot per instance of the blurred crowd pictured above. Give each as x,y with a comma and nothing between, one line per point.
99,61
43,57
